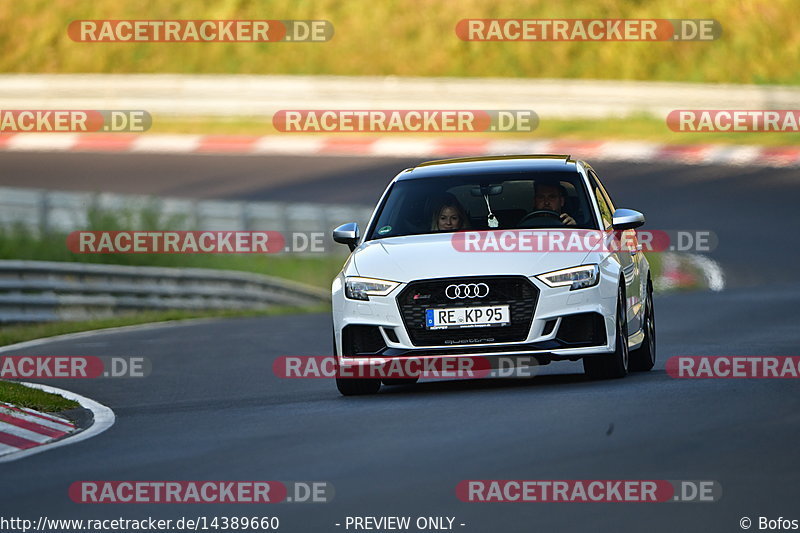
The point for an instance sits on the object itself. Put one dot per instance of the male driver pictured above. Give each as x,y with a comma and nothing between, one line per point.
550,197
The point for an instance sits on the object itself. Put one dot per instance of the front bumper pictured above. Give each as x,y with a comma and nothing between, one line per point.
384,329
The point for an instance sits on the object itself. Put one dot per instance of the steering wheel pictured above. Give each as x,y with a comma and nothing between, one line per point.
541,213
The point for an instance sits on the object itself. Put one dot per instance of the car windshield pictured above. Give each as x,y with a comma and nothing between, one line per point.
484,202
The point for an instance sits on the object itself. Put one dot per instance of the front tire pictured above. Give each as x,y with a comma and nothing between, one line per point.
357,386
400,381
613,365
644,357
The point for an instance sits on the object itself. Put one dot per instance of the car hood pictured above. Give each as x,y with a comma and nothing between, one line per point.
413,257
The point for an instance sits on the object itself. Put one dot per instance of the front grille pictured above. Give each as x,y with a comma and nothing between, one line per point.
515,291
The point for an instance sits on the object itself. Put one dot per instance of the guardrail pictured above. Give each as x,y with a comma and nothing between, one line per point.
45,291
45,211
262,96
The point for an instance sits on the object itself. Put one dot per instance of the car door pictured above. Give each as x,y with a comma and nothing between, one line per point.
627,255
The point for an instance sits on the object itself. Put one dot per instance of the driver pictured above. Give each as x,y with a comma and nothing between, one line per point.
550,197
449,216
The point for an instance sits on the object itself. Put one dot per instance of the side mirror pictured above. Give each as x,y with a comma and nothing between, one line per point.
626,219
347,234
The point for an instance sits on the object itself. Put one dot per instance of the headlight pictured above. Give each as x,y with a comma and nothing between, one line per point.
577,277
363,288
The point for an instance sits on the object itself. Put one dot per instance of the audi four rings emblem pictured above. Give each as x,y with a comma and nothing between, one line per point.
467,290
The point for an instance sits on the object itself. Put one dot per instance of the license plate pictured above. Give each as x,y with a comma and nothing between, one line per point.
467,317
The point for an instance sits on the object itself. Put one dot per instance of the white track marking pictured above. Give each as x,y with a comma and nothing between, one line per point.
103,419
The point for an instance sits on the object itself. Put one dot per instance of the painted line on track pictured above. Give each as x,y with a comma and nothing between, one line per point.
103,419
91,333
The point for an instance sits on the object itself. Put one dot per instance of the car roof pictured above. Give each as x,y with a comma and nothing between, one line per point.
500,164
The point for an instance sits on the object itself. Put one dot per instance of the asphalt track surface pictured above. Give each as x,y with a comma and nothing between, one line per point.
213,410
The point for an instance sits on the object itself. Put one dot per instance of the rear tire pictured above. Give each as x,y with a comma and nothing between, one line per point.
613,365
644,357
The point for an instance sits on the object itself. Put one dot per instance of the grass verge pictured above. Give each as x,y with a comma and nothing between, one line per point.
23,396
759,41
656,264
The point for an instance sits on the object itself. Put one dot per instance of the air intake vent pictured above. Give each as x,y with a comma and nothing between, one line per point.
583,329
361,340
548,327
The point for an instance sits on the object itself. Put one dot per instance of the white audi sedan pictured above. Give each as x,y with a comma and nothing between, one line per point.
506,256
